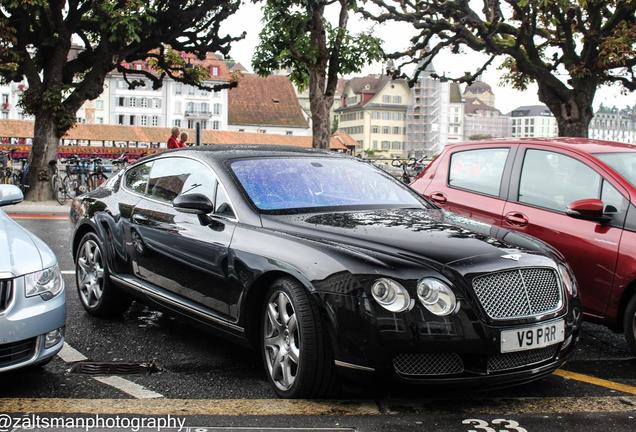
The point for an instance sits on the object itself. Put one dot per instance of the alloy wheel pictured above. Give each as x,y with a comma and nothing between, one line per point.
281,340
90,273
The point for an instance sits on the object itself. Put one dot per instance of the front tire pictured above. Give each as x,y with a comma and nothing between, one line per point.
99,296
629,324
296,351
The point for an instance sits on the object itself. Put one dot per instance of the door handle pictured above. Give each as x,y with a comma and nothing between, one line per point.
439,197
516,219
139,219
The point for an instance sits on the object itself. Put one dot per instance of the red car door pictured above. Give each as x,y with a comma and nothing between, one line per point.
544,182
471,181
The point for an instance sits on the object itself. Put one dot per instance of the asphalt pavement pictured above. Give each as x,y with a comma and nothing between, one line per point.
210,382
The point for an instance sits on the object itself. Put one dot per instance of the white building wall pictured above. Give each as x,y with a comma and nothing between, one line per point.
9,98
276,130
534,126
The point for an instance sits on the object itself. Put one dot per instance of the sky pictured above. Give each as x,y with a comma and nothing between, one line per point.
395,36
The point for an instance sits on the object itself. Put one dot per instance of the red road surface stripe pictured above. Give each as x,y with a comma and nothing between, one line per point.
37,216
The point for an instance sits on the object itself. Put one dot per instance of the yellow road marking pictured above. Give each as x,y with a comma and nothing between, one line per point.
281,407
625,388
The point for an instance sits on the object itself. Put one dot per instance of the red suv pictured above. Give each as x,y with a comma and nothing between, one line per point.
576,194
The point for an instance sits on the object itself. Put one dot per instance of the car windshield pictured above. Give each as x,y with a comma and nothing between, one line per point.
278,184
623,163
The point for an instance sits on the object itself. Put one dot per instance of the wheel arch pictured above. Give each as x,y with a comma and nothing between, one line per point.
254,299
80,232
627,295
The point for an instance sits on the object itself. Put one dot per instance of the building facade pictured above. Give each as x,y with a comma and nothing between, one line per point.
482,121
613,124
481,91
533,121
10,95
373,112
427,120
456,121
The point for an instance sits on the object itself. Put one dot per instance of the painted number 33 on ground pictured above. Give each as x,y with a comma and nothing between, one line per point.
497,425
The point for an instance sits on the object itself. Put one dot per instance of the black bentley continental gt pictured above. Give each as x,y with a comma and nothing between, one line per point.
327,266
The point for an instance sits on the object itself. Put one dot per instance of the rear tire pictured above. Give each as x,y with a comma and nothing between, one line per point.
99,296
295,346
629,324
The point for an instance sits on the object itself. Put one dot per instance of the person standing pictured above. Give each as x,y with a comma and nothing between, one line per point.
173,141
183,139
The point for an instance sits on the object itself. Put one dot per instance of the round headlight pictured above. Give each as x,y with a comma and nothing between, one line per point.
390,295
436,296
569,283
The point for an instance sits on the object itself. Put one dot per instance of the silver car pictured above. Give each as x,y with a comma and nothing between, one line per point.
32,299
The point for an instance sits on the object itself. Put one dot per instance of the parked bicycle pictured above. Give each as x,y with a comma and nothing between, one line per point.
57,184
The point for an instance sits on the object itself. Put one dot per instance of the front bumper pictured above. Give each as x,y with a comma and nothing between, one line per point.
458,349
24,325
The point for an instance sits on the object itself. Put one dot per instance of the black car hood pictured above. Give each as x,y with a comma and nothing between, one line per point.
422,234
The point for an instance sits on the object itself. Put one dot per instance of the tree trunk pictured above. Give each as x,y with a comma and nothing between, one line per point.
44,150
320,110
573,115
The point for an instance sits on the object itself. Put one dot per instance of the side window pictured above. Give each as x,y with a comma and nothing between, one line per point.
173,176
478,170
554,180
222,204
137,178
613,199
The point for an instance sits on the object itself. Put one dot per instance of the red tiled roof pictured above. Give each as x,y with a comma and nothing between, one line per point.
267,101
117,133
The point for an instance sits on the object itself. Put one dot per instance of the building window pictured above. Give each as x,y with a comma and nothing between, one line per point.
216,125
177,122
157,103
215,71
376,115
121,101
386,130
190,124
396,145
386,145
397,99
132,120
5,98
216,94
289,132
386,115
375,129
121,84
204,124
178,88
386,99
396,130
133,102
120,119
262,131
155,120
144,120
144,102
217,109
99,120
191,90
99,104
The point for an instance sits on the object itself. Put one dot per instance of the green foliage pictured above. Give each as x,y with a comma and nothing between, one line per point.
285,43
113,34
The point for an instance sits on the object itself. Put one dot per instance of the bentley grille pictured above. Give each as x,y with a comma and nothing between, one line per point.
519,293
507,361
423,364
6,294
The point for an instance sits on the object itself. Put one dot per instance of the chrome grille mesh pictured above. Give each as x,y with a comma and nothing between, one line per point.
519,359
6,293
518,293
421,364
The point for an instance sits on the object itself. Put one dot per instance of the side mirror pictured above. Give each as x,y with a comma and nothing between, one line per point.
193,203
591,209
10,194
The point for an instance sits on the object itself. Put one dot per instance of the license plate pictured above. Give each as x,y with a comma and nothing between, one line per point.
533,337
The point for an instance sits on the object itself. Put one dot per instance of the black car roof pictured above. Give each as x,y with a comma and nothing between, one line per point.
226,152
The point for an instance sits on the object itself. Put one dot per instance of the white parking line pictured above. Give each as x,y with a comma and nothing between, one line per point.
70,355
129,387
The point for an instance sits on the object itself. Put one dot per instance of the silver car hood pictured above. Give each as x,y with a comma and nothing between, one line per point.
20,251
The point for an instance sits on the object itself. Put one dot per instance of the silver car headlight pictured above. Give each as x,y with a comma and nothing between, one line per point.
390,295
436,296
566,277
46,283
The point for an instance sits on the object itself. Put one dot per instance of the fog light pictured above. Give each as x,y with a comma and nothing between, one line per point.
53,338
